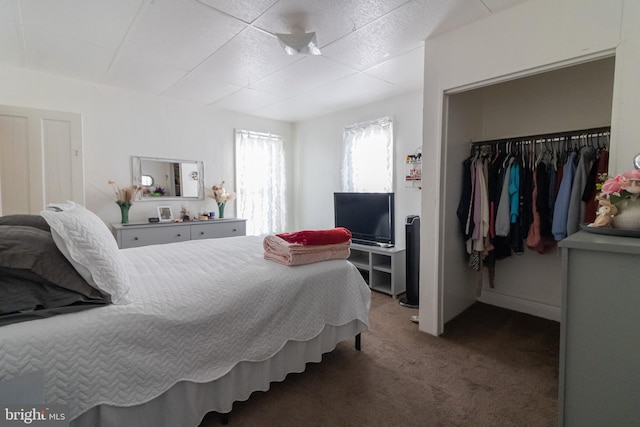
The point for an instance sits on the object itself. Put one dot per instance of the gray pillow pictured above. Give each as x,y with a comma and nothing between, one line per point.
35,221
37,299
30,253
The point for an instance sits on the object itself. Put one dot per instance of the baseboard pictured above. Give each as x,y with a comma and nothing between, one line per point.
522,305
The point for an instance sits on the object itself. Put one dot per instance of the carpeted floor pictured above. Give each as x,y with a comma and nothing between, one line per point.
492,367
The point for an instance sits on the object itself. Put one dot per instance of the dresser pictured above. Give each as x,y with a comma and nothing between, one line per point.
600,331
142,234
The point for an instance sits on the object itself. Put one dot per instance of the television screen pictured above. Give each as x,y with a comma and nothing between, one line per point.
369,216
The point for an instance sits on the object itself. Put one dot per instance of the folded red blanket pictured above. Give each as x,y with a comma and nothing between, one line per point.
317,237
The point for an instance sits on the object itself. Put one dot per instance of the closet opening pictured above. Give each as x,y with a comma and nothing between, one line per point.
574,98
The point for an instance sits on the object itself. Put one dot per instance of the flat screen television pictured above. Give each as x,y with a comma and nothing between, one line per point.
369,217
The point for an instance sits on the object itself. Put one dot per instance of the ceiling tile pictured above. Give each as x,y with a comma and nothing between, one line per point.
405,70
181,34
137,73
498,5
398,32
56,54
98,22
331,20
247,100
245,10
349,92
10,44
224,52
8,10
308,73
248,58
201,88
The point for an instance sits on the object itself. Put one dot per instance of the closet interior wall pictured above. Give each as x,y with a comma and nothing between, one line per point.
567,99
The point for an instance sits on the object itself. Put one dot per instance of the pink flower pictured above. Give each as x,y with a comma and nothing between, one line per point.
632,175
612,185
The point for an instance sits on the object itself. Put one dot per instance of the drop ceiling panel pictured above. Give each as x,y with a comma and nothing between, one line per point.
136,73
497,5
201,88
180,33
330,20
223,52
247,100
347,93
56,54
248,58
98,22
8,10
308,73
245,10
10,44
405,70
398,32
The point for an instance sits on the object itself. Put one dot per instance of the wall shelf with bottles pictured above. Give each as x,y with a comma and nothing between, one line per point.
413,170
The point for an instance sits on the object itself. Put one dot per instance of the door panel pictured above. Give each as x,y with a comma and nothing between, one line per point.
14,165
41,159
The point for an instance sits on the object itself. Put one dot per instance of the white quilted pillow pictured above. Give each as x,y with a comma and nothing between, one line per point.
90,247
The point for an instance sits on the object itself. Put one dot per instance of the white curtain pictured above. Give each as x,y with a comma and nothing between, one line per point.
367,165
260,182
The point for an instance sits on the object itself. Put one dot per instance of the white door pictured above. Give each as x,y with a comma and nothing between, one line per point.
41,159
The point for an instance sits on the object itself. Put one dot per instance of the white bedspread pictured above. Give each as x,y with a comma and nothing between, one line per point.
199,308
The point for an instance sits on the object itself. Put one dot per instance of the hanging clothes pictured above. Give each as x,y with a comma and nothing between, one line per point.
511,200
577,207
561,207
503,215
598,173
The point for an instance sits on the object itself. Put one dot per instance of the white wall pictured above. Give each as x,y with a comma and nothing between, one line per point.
119,123
532,37
318,156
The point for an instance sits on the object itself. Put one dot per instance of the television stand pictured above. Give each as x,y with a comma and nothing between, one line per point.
384,269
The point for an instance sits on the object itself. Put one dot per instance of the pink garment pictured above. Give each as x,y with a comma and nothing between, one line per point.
279,250
317,237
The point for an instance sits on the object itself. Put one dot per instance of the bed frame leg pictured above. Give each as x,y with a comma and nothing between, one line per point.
224,419
358,342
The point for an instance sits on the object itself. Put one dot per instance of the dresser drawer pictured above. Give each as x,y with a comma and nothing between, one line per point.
153,236
215,230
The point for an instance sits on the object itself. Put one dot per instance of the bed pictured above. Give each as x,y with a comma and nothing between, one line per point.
193,327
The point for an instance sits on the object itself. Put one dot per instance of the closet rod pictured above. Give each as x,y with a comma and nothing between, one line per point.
585,132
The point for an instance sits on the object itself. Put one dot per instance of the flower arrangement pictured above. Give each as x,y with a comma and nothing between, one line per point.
620,187
619,201
125,195
221,196
124,198
159,191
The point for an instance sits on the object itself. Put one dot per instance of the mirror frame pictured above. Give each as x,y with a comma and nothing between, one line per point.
136,167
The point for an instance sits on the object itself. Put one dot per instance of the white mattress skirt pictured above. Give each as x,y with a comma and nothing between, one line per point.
186,403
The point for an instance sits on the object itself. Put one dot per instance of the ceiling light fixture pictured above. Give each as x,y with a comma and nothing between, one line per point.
299,42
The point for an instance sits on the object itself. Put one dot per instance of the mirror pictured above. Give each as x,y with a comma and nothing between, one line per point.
636,161
168,179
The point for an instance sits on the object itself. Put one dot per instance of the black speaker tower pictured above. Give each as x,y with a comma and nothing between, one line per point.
412,234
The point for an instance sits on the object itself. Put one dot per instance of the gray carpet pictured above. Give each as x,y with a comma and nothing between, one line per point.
492,367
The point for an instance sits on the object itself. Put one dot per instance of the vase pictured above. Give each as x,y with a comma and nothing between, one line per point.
628,216
221,210
124,211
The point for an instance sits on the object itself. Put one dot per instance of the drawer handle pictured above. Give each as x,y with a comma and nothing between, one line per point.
179,235
202,233
234,230
135,238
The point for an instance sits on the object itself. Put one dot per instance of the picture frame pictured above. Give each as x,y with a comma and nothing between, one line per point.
165,214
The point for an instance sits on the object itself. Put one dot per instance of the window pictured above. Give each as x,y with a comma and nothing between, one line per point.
367,165
260,181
